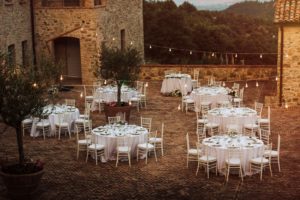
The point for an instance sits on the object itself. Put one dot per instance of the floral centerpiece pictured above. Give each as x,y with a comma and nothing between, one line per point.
232,133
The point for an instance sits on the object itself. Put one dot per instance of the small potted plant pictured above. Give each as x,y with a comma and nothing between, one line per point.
122,66
22,94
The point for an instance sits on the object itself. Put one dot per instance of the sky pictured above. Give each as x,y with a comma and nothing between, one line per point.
210,2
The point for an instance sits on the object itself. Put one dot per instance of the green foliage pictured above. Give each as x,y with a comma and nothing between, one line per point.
185,28
22,93
120,65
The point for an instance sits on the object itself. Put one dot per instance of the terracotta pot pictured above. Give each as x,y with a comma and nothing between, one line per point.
22,186
111,111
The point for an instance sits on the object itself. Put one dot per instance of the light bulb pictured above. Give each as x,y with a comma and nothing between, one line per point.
113,39
170,49
150,47
81,29
224,84
236,55
129,103
61,78
213,54
34,85
257,84
146,84
81,95
246,86
179,107
287,55
131,43
191,52
104,82
260,56
276,79
286,105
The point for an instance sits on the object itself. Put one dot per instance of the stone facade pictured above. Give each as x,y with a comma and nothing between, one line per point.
15,28
221,72
287,17
92,25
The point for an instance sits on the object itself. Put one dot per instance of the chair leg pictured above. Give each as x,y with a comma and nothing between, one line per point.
77,151
96,155
117,159
155,154
146,156
137,155
198,165
129,160
187,161
87,155
162,149
278,161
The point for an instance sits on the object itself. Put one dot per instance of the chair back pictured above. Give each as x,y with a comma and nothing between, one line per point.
70,102
258,108
264,136
187,141
278,143
146,123
114,120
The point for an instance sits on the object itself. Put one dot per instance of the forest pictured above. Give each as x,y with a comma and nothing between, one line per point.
184,35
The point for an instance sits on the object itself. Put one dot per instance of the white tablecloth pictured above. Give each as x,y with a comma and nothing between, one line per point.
173,82
71,114
209,94
232,116
107,136
218,147
109,94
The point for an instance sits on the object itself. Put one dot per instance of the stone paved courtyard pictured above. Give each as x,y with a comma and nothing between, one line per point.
68,178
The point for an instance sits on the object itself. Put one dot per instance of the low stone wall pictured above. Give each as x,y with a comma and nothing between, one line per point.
221,72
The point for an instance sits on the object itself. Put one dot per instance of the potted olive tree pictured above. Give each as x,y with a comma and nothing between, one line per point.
122,66
23,92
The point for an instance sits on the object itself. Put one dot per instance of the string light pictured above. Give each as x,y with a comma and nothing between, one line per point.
129,103
191,52
146,84
236,55
105,82
131,43
113,39
224,84
246,86
179,108
256,84
287,55
34,85
260,56
213,54
150,47
170,49
61,78
286,105
276,79
81,95
81,29
96,34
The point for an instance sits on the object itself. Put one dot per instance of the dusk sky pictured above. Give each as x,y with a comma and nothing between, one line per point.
209,2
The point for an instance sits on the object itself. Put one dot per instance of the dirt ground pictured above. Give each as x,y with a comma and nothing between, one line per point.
68,178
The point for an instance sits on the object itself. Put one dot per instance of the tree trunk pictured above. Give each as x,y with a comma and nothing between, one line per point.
119,85
20,143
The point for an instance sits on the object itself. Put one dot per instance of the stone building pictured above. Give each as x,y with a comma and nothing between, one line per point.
72,31
16,31
287,17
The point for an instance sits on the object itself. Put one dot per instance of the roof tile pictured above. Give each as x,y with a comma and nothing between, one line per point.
287,11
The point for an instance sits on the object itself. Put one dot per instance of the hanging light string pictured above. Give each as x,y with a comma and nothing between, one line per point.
212,53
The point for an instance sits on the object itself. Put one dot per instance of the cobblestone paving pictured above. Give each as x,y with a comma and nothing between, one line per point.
68,178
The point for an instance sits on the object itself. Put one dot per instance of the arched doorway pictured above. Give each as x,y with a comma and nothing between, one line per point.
67,52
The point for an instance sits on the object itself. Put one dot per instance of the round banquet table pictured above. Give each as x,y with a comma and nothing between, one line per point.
173,82
107,136
211,94
218,147
232,116
70,115
109,94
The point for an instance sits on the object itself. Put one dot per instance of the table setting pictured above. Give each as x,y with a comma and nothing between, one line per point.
228,116
107,135
71,113
176,81
251,147
212,94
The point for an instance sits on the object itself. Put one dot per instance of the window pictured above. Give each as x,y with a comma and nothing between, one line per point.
25,53
97,2
122,39
11,55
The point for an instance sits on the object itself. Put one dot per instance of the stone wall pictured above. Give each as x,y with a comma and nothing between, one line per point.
221,72
291,65
15,27
92,25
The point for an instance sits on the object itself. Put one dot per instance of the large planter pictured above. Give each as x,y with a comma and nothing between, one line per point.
22,186
111,111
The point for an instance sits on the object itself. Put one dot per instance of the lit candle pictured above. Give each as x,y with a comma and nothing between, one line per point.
224,84
286,105
260,56
191,52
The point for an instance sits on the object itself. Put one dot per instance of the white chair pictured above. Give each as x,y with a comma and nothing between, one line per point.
143,96
26,125
88,98
212,128
70,102
236,86
122,116
146,148
99,102
158,142
195,80
274,154
192,153
97,149
261,162
265,123
264,135
223,104
83,143
258,108
201,132
135,102
114,120
44,126
237,101
250,129
206,159
123,149
61,125
146,123
233,161
87,111
187,103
